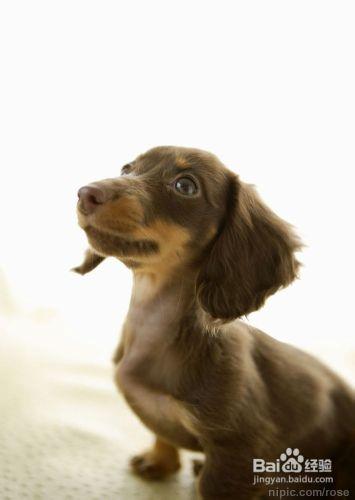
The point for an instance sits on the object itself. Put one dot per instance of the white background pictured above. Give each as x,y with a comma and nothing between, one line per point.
267,86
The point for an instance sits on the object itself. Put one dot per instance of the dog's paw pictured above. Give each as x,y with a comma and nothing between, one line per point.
149,466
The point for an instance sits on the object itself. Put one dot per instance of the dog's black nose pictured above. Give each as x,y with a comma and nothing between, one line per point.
91,197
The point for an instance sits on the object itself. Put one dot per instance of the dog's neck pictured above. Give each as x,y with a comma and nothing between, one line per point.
172,293
159,306
164,329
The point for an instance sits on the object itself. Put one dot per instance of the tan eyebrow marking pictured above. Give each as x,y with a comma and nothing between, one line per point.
181,163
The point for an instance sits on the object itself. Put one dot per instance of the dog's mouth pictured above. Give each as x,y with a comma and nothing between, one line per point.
115,245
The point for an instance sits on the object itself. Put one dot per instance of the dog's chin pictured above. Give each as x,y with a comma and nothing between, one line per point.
109,244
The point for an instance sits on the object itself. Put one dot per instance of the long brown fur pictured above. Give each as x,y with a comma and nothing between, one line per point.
196,375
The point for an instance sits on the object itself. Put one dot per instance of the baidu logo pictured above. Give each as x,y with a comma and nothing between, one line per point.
291,462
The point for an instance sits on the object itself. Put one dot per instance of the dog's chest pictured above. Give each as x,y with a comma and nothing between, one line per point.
148,357
148,375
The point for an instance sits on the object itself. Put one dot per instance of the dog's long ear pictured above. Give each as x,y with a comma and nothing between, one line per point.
91,260
251,258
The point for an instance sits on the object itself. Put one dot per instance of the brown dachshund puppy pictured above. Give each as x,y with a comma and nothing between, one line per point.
204,251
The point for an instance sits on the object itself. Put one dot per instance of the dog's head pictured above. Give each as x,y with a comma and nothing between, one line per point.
180,210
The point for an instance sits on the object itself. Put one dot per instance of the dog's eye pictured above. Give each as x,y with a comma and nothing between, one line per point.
186,186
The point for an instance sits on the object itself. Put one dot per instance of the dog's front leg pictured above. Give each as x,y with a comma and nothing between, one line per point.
158,462
222,478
